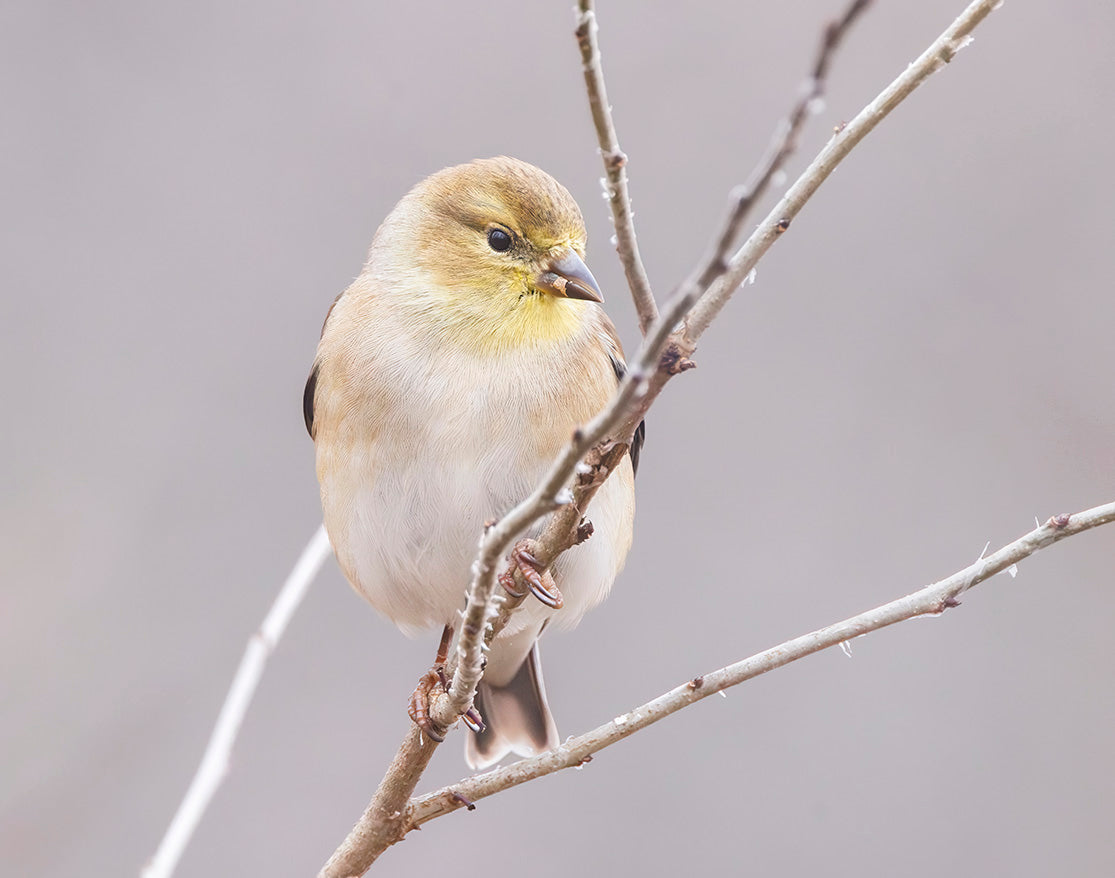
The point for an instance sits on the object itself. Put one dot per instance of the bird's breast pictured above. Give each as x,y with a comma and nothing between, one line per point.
420,444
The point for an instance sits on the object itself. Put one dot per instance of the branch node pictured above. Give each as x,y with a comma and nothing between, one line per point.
1060,522
615,160
783,224
584,531
696,683
673,361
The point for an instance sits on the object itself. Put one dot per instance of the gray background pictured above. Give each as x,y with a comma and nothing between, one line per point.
924,365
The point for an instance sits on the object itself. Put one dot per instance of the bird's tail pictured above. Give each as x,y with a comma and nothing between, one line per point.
516,717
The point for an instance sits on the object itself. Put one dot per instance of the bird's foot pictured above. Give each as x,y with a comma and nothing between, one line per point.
539,580
419,706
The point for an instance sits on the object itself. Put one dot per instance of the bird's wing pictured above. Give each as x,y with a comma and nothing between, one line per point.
311,382
615,354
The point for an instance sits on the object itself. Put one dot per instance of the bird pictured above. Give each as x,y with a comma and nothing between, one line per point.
448,377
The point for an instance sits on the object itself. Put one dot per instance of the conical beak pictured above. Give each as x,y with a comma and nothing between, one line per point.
570,278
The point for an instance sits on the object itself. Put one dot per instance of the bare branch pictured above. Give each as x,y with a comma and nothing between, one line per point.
933,599
615,167
784,141
214,764
843,141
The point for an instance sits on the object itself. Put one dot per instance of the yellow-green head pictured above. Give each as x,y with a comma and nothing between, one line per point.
492,252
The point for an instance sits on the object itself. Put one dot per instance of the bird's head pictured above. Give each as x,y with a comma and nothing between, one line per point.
494,250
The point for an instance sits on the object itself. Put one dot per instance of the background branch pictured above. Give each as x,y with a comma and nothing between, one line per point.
214,763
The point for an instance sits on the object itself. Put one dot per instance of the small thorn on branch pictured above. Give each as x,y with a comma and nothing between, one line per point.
468,803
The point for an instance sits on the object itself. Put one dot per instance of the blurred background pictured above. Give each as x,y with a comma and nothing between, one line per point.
923,366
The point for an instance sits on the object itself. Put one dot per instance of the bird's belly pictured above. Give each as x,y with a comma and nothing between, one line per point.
407,531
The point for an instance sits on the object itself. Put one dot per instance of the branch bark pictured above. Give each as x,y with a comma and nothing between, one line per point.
664,353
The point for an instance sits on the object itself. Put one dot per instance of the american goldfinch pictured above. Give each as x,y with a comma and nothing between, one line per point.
448,377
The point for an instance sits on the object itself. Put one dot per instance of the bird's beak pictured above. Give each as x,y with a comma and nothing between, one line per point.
569,278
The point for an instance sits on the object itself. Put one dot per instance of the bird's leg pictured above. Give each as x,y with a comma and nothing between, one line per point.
419,707
539,580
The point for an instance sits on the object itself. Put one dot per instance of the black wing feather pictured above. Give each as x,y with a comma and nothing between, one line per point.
640,436
308,400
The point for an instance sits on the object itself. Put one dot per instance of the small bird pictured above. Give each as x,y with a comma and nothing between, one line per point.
448,377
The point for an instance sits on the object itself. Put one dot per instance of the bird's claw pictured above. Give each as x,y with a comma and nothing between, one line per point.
473,720
539,580
419,706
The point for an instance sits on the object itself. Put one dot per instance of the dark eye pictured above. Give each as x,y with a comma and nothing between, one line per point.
499,240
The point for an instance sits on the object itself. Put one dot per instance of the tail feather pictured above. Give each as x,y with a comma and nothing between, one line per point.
517,717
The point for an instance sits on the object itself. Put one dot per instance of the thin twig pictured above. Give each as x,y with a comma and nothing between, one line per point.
933,599
712,283
218,752
843,141
615,168
784,141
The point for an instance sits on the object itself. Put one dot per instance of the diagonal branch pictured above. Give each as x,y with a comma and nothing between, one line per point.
843,141
615,167
933,599
218,752
784,141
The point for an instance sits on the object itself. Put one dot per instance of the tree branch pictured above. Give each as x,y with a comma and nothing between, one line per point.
843,141
615,167
663,354
931,600
784,141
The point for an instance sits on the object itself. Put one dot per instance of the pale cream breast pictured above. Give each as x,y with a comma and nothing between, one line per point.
421,439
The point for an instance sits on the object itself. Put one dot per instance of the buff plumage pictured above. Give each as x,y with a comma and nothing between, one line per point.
447,378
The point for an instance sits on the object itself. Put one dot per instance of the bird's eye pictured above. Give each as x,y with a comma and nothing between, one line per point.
499,240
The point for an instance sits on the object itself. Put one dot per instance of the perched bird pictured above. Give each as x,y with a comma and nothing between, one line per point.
448,377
